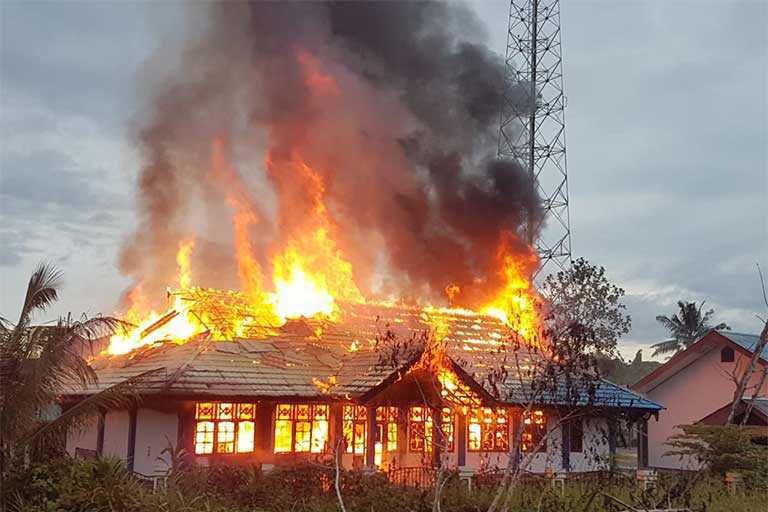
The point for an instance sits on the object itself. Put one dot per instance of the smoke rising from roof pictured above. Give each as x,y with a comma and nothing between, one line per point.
394,105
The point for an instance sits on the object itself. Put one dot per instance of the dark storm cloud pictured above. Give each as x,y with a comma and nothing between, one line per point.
47,186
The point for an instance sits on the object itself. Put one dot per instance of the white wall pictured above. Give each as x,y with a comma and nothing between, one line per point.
596,449
594,457
688,396
116,434
154,429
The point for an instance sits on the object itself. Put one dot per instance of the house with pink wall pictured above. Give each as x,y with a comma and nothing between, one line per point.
696,386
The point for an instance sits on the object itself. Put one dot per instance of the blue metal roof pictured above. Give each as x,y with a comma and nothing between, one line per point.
746,341
606,394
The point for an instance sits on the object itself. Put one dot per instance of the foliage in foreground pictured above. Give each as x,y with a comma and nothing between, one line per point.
725,448
106,485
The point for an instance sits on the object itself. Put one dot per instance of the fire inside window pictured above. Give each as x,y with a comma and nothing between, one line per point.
386,427
355,428
222,427
534,430
488,430
420,429
301,428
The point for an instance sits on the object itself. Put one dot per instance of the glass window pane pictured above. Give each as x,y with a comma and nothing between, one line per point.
245,435
204,411
283,436
392,436
359,435
319,436
225,437
204,437
474,436
303,436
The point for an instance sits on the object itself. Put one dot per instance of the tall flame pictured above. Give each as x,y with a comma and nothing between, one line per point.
175,324
309,272
514,303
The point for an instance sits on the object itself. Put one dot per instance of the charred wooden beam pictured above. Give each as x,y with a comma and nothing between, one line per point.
160,322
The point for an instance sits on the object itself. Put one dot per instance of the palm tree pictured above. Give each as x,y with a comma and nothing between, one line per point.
37,362
686,326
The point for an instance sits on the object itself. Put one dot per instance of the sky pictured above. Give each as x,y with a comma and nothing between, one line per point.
666,126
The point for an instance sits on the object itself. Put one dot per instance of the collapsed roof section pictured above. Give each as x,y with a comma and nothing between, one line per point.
346,359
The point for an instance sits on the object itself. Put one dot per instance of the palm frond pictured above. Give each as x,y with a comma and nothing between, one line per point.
665,347
42,291
120,396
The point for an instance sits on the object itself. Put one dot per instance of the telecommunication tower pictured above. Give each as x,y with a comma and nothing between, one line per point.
532,126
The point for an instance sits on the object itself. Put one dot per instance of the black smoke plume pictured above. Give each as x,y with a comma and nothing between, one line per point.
395,105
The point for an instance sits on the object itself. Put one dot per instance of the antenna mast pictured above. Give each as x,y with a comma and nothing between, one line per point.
532,127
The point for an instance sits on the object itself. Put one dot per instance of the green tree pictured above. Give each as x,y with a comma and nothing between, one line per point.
685,326
36,363
585,306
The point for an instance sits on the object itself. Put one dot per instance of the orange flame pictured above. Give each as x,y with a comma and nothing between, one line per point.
515,302
174,325
182,260
309,270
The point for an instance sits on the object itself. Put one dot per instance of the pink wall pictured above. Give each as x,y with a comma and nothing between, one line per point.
692,393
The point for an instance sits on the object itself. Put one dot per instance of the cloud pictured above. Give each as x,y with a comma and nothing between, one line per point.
666,128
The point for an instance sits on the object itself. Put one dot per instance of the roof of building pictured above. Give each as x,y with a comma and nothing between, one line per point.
310,358
746,343
758,414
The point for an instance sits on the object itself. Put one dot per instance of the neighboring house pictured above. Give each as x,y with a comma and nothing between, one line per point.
297,392
697,385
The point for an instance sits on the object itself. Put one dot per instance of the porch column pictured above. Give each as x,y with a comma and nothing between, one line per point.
437,435
100,432
612,436
186,427
337,431
461,437
642,443
264,429
370,444
402,433
131,437
565,444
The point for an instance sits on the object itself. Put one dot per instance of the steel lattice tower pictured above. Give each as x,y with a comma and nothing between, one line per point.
533,122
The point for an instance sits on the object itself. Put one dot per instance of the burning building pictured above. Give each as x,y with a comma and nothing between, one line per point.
334,162
278,395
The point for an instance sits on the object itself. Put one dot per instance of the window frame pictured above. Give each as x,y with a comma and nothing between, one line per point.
578,423
354,416
447,427
294,420
534,429
731,355
387,417
493,427
241,413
